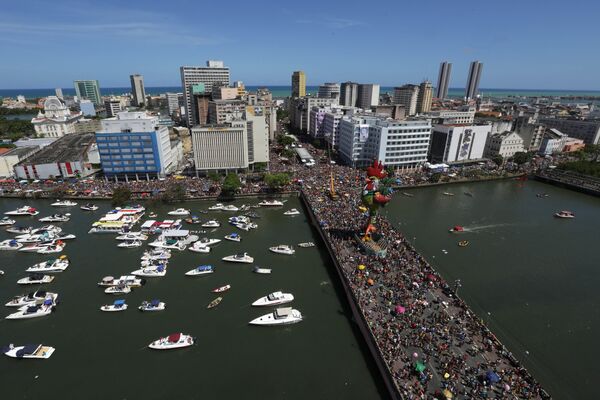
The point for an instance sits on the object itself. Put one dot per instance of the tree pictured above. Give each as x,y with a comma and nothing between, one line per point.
120,196
498,159
260,166
174,192
213,176
285,140
281,114
522,157
435,178
276,181
231,184
288,153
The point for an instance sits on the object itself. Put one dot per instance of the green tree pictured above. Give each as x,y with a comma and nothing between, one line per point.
120,196
174,192
288,153
285,140
276,181
231,184
498,159
281,114
260,166
522,157
213,176
435,178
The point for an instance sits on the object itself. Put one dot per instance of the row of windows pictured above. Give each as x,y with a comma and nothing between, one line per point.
129,162
408,136
149,156
118,169
405,153
388,160
101,138
400,142
143,150
408,130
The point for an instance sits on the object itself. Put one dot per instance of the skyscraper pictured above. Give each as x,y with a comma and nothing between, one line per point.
137,89
349,94
215,71
472,88
407,95
443,80
88,90
368,96
298,84
329,90
424,97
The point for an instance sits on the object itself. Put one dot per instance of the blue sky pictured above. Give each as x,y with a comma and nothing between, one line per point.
523,44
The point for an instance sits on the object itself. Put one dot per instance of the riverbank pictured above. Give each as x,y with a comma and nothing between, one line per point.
483,179
571,180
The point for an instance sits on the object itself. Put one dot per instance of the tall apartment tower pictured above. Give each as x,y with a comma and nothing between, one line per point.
215,71
349,94
424,97
472,88
443,80
88,90
298,84
368,96
137,89
329,90
407,96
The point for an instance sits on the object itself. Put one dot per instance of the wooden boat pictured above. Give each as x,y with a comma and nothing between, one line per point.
214,303
222,289
463,243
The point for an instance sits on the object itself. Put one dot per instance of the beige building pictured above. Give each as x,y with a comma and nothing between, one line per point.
220,147
407,96
85,125
298,84
425,97
222,111
505,144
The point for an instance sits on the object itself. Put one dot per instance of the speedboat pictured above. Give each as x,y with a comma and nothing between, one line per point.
260,270
199,248
408,194
154,305
130,244
19,229
281,316
119,289
274,299
32,298
89,207
469,194
180,211
564,214
234,237
230,207
51,248
201,270
64,236
245,227
270,203
5,221
152,215
239,218
174,341
448,194
156,254
34,311
221,289
51,266
173,244
215,302
239,258
306,244
456,229
38,351
208,241
118,305
25,210
216,207
56,218
154,271
293,211
128,280
35,279
132,236
63,203
211,224
10,244
283,249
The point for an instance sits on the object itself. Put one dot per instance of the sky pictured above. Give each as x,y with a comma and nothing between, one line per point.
524,44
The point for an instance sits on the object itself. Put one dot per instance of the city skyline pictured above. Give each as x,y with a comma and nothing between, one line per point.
297,41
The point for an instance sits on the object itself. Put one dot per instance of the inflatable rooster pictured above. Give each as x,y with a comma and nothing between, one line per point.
376,193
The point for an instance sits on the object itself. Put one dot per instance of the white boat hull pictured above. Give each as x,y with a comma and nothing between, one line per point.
113,308
269,320
46,352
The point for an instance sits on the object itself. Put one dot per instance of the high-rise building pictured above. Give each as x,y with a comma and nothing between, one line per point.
349,94
137,89
88,90
472,88
407,95
329,90
173,102
214,72
298,84
112,107
424,98
443,80
87,108
368,96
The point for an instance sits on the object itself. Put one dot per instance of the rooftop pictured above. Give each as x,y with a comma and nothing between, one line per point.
20,151
68,148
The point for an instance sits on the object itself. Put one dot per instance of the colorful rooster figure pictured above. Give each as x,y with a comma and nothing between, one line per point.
376,193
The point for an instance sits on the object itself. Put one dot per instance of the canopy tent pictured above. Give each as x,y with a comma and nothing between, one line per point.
420,367
492,377
400,309
361,267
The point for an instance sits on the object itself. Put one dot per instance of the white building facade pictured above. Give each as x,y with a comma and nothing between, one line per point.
456,143
505,144
56,120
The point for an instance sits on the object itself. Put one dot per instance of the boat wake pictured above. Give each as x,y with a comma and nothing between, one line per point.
478,228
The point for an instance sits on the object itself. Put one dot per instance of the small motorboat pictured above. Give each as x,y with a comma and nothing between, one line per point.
21,230
221,289
10,244
36,351
33,311
293,211
306,244
283,249
564,214
132,236
270,203
281,316
119,289
56,218
50,248
155,271
5,221
239,218
22,211
51,266
542,195
274,299
194,219
214,303
230,207
130,244
408,194
239,258
216,207
448,194
117,305
260,270
456,229
199,248
463,243
128,280
469,194
153,305
32,298
245,227
64,236
174,341
152,215
211,224
63,203
89,207
234,237
156,254
201,270
180,212
35,279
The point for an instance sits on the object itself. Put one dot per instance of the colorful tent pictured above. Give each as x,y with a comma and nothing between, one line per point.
420,367
400,310
361,267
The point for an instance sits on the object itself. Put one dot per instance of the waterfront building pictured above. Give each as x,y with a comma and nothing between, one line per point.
56,120
331,124
316,117
12,157
137,90
112,106
367,96
299,110
68,157
87,108
88,90
407,96
586,130
220,147
532,135
472,88
298,84
329,90
349,94
200,102
213,72
443,80
257,127
458,143
505,144
132,144
424,97
553,142
452,117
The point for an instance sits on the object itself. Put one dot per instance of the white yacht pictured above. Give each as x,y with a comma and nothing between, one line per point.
21,230
35,279
245,227
230,207
174,341
155,271
89,207
260,270
56,218
201,270
156,254
239,258
10,244
128,280
211,224
51,248
270,203
64,236
274,299
5,221
154,305
281,316
36,351
198,247
239,218
132,236
130,244
63,203
293,211
32,298
216,207
35,311
117,305
207,242
234,237
283,249
25,210
51,266
176,239
119,289
180,212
